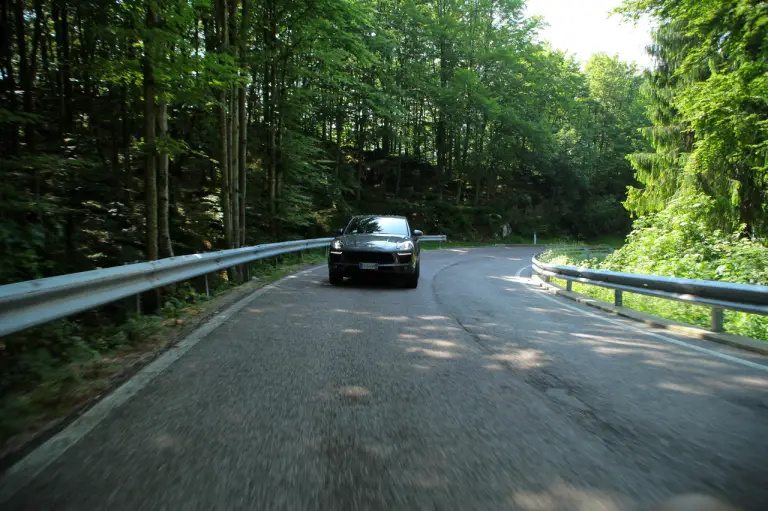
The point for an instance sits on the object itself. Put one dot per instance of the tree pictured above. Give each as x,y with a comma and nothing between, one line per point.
710,118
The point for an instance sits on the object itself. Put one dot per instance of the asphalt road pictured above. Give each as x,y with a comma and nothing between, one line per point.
474,391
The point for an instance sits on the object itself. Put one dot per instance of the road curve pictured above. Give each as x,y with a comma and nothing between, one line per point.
475,391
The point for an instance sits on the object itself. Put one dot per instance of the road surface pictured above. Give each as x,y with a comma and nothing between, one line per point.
475,391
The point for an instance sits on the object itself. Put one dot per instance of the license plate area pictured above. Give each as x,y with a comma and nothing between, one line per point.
369,266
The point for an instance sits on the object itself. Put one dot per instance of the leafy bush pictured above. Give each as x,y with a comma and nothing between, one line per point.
679,242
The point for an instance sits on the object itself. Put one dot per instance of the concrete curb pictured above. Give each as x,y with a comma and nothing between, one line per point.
736,341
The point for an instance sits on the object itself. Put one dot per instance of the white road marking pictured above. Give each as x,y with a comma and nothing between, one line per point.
24,471
664,338
521,270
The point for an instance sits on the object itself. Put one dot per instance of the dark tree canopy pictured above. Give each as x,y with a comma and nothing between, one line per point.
141,129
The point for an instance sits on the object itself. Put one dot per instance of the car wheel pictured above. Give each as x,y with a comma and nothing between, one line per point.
335,278
412,281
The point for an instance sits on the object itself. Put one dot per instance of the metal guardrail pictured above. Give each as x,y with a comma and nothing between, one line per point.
34,302
439,238
717,295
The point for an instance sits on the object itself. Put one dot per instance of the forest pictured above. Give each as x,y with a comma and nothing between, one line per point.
134,130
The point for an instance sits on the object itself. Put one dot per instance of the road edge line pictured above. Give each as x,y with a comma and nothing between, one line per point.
24,471
734,341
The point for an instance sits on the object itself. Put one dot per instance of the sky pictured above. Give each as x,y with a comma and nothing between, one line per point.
583,27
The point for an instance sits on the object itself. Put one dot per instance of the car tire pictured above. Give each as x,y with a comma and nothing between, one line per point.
335,279
412,281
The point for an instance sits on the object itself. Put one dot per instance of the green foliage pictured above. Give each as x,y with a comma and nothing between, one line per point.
707,101
46,370
680,242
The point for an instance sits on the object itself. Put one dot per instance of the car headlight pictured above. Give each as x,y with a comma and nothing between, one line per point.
336,245
405,245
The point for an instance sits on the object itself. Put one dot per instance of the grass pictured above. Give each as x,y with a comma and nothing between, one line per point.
734,322
52,370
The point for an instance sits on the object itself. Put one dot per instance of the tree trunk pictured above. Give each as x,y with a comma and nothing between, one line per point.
267,108
126,130
162,174
234,152
21,51
398,175
243,149
9,136
360,145
440,143
242,141
224,129
224,168
150,175
462,167
339,131
273,149
65,66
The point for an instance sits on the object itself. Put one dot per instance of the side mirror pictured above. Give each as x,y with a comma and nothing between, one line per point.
339,232
417,233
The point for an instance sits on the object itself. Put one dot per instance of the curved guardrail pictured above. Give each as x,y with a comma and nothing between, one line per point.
717,295
34,302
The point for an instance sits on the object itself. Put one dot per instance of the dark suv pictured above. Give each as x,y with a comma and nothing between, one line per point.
375,244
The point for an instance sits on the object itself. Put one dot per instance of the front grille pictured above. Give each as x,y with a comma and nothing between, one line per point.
404,259
353,256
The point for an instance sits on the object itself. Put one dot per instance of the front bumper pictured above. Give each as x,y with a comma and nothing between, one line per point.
348,263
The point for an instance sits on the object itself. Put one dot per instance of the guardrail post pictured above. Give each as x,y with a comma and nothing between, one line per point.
569,285
534,237
618,297
207,289
717,319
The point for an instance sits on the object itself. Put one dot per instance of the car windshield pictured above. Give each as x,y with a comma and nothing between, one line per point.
377,225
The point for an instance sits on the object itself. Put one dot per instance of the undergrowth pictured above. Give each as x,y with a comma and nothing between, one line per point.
48,370
678,242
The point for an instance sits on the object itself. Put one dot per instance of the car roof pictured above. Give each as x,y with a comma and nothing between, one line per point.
382,216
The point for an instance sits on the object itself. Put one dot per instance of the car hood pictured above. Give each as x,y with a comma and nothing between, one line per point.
372,241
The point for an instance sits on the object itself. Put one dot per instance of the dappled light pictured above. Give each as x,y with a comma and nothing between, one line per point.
167,442
353,391
522,359
751,380
438,328
562,497
437,343
680,387
432,353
